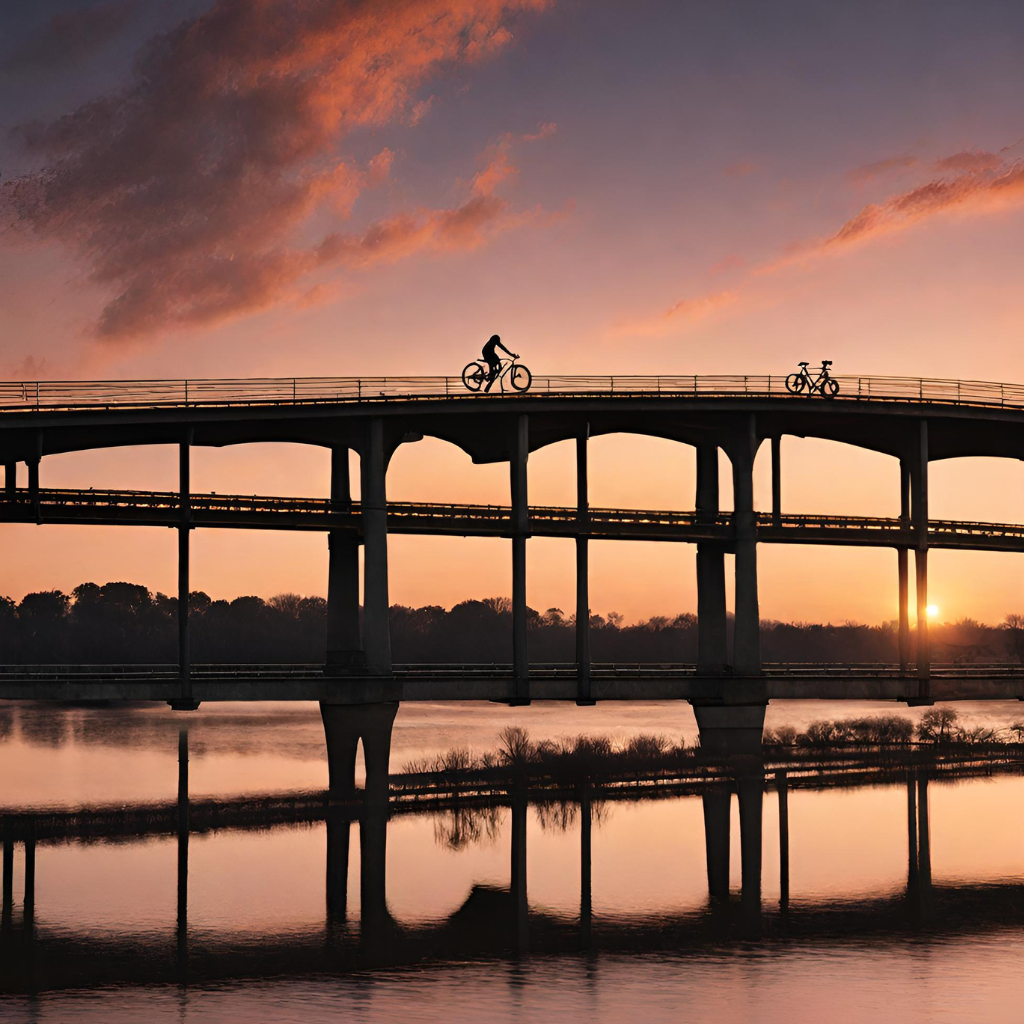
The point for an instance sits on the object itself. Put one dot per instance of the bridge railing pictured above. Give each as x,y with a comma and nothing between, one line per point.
56,395
101,499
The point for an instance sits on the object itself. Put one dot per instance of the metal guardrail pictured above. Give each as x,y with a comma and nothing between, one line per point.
82,498
28,396
483,671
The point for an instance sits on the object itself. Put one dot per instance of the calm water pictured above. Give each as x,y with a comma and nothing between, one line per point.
433,917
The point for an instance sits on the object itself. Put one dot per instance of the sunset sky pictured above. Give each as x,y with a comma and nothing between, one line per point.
315,187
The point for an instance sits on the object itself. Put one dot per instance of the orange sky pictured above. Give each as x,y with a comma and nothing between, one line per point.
332,193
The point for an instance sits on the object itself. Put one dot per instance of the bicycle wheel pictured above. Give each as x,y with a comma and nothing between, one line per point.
795,383
520,377
829,388
473,376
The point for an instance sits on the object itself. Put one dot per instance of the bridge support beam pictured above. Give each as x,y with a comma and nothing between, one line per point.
777,481
10,479
184,701
750,788
376,625
582,571
730,730
520,530
782,788
344,641
712,645
33,487
344,726
919,509
746,659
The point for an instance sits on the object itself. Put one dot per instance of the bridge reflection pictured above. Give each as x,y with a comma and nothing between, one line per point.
492,921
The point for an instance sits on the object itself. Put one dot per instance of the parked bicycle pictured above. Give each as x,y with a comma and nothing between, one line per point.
823,384
477,375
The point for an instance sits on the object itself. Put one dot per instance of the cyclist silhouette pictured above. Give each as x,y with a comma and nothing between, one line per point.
492,359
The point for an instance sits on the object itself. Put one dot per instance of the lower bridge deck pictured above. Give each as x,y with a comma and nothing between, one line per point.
1000,681
234,511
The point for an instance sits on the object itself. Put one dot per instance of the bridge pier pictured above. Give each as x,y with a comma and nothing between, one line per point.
730,730
582,571
777,481
344,639
376,611
919,508
518,456
184,701
344,726
712,645
10,479
374,916
903,568
750,791
746,659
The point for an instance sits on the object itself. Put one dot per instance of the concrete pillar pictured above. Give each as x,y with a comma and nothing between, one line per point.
902,564
777,481
782,788
344,641
746,659
520,529
10,479
376,625
730,730
339,835
520,900
712,645
344,726
919,510
185,699
751,799
717,810
586,878
582,572
33,488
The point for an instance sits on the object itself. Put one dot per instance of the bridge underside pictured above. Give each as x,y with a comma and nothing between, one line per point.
498,684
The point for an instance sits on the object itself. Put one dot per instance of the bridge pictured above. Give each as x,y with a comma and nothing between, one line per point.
915,421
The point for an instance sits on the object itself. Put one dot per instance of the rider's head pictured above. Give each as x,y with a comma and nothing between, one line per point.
493,339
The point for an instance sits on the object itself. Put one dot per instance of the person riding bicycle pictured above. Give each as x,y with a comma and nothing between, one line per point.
492,359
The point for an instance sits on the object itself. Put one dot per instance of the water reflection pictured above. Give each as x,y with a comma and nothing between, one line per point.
492,920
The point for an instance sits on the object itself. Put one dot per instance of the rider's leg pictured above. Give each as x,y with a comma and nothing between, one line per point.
494,363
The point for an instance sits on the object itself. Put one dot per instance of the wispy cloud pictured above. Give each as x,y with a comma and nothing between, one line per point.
980,183
187,192
860,176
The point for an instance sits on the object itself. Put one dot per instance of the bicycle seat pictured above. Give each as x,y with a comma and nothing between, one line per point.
826,362
804,364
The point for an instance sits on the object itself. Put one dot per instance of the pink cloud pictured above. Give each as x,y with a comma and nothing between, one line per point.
186,193
977,188
973,160
868,172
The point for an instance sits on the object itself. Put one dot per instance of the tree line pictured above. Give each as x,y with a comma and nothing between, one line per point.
126,622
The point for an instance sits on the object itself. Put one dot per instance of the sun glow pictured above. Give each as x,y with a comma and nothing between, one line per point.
932,610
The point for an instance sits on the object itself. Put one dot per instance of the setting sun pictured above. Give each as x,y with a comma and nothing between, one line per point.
932,610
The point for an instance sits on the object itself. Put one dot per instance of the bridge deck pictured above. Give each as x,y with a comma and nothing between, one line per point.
427,683
153,394
234,511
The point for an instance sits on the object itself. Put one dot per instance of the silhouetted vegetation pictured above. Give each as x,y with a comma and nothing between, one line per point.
124,622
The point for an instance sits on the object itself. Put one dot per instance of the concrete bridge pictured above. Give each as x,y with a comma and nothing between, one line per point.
915,421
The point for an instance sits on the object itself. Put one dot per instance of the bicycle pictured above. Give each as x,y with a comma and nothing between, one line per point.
824,384
477,375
